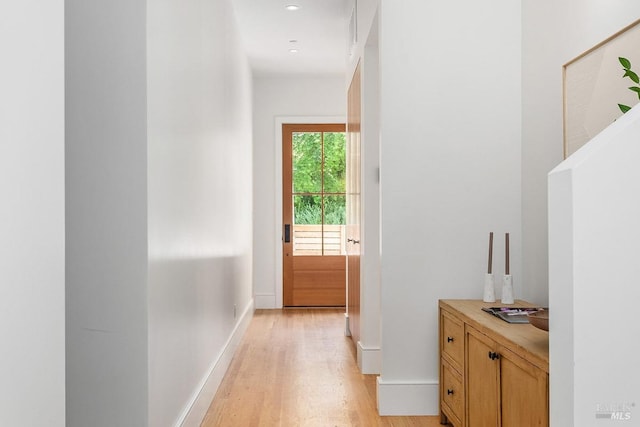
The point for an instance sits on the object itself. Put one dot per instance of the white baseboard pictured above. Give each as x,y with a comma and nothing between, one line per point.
347,328
266,301
369,359
407,398
194,413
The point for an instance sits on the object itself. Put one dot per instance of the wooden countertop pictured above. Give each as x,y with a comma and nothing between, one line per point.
525,340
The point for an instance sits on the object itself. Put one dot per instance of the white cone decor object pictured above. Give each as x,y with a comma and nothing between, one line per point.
507,284
489,288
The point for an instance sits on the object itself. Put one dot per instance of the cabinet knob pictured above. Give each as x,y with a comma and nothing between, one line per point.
449,339
449,391
493,355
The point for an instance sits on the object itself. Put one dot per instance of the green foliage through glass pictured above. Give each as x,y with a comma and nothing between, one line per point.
307,162
311,182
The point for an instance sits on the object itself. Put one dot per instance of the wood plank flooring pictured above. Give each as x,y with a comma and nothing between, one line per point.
295,367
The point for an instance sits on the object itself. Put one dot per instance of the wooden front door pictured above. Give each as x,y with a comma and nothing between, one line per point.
313,206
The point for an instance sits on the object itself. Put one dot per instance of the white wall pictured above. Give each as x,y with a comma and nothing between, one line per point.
106,213
450,174
200,203
159,208
594,246
553,34
368,350
32,213
277,97
366,15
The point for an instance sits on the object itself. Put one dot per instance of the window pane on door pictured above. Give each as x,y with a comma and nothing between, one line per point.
334,210
319,174
334,225
334,162
307,225
307,162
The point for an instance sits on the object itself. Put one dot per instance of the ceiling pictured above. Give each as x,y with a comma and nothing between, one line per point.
317,30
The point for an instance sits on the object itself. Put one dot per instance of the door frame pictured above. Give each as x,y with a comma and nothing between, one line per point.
279,121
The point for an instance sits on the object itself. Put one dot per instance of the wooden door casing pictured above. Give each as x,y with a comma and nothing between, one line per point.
354,119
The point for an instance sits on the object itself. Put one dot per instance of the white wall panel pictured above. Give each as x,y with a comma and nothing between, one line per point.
450,170
593,249
106,213
200,201
159,197
32,277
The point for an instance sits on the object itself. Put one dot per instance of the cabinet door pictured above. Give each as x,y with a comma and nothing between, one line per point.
524,392
483,404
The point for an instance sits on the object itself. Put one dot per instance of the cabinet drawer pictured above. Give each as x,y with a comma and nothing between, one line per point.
452,392
452,336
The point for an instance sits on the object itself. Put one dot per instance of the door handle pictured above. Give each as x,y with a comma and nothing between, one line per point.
287,233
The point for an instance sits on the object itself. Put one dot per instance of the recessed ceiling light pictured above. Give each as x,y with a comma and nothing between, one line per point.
292,7
293,50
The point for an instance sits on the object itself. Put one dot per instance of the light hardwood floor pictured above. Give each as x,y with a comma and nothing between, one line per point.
295,367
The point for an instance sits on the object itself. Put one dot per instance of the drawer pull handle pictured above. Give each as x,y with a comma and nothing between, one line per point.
449,391
449,339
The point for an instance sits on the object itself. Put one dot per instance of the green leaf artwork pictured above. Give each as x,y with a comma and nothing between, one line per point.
626,65
624,108
633,76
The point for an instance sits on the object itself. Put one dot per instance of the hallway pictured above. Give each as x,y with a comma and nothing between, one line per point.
296,368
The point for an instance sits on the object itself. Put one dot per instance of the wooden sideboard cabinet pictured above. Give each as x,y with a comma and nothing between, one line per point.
492,373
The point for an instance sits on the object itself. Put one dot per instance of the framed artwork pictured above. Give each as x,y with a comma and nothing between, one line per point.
594,85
